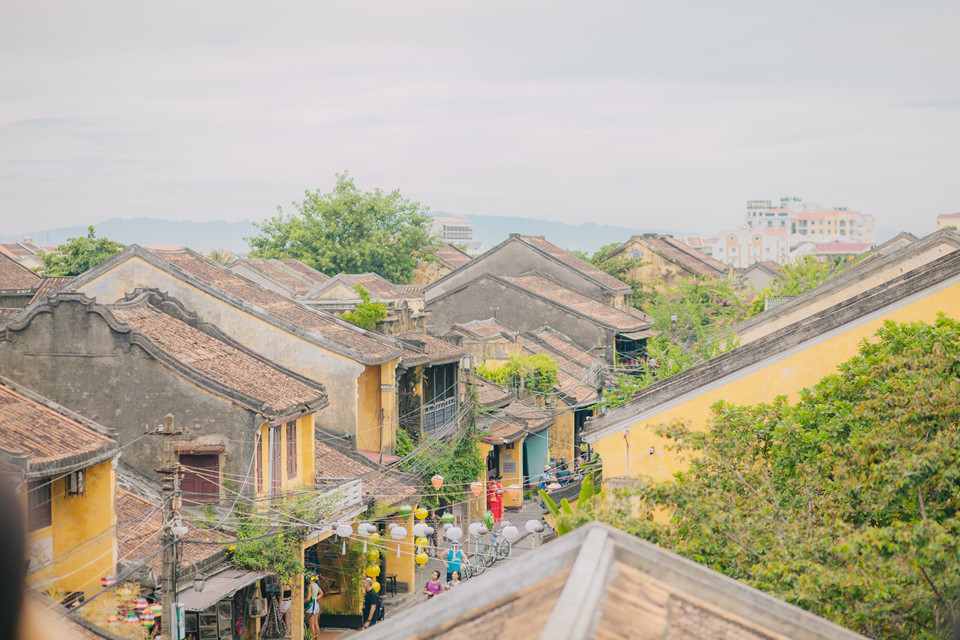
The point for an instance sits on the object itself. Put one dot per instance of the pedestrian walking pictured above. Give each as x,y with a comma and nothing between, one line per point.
286,606
372,605
454,580
434,538
312,606
454,559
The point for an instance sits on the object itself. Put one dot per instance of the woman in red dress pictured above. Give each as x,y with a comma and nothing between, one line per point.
495,499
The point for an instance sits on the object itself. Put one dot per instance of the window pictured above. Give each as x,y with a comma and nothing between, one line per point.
259,444
38,504
200,482
636,254
291,450
75,483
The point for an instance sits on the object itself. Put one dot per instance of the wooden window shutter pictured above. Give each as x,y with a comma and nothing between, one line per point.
291,450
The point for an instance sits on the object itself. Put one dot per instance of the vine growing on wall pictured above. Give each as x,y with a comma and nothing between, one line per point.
537,372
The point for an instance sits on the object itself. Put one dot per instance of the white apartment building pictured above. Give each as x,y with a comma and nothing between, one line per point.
744,247
453,229
837,225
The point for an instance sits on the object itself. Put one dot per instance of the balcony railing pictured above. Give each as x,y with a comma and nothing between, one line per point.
439,414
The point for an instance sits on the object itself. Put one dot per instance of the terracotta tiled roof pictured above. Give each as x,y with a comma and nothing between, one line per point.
684,255
21,249
514,421
382,484
822,215
41,432
489,328
293,282
490,394
452,256
48,285
14,275
6,312
378,287
573,379
576,263
437,350
220,361
302,269
139,534
557,294
323,324
948,216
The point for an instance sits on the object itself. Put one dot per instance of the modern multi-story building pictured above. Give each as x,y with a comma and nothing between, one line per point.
795,216
763,214
744,247
948,221
453,229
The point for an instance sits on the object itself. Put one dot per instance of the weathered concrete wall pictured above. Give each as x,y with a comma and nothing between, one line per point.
513,259
337,373
487,298
74,358
654,270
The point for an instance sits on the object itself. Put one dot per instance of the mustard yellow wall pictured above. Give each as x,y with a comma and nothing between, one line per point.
404,566
478,506
803,367
83,533
653,269
516,455
868,281
561,437
368,410
305,455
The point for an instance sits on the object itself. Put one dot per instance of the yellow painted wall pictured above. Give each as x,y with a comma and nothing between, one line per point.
802,367
368,410
516,455
478,506
561,437
858,286
83,533
404,566
654,268
305,455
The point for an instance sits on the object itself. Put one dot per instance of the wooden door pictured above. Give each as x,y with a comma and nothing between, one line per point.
200,483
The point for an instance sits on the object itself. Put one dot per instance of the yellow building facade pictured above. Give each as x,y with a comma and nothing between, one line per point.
780,364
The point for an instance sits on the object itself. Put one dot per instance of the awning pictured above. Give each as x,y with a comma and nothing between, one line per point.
640,335
217,587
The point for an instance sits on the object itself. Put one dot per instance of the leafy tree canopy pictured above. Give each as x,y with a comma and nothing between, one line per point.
78,255
349,231
368,313
798,277
846,503
538,371
617,266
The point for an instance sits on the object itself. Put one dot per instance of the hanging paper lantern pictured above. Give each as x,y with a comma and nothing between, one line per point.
454,533
156,609
344,531
131,618
140,603
107,581
404,510
533,526
421,542
421,513
514,491
421,558
375,536
376,586
488,519
147,619
373,556
125,593
372,571
447,518
437,482
474,529
511,533
398,534
111,618
477,488
428,531
418,529
446,526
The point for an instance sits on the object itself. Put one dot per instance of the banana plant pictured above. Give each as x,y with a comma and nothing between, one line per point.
588,489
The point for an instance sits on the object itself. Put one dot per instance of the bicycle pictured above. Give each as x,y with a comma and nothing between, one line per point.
498,548
472,565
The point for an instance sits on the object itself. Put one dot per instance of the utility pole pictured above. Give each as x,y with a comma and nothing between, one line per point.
171,508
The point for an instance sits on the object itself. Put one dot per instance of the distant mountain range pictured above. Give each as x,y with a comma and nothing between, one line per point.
206,236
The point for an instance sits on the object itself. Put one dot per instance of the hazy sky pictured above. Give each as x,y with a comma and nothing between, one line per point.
647,114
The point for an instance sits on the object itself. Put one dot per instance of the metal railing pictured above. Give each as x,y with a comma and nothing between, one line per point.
439,414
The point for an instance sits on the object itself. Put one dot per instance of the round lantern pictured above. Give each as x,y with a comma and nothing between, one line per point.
421,558
376,586
474,529
111,618
372,571
107,581
437,482
447,525
398,534
344,531
125,593
533,526
421,513
476,488
373,556
454,533
511,533
404,510
147,619
488,519
428,531
375,536
447,518
156,609
140,603
514,491
131,618
421,542
418,529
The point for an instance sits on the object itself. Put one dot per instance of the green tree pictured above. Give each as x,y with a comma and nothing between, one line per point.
798,277
846,503
349,231
78,255
458,461
617,266
539,373
368,313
